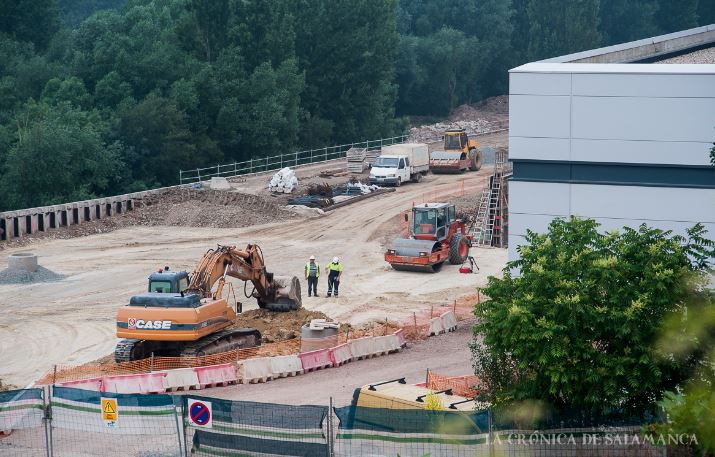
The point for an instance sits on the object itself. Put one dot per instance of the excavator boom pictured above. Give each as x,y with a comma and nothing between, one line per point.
173,319
276,293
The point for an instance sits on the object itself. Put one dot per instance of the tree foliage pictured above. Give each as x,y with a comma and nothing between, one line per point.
241,79
578,326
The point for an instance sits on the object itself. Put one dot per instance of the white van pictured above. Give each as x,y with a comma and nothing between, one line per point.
400,163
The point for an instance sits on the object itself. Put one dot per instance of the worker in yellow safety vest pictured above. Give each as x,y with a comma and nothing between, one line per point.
335,271
312,273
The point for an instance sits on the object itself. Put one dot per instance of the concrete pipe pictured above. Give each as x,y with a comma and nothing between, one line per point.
22,261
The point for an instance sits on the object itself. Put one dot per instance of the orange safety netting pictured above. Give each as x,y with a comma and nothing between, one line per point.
63,373
467,386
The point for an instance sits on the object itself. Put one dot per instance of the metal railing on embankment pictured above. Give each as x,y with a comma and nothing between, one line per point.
276,162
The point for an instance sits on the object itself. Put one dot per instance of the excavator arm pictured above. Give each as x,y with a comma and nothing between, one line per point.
275,293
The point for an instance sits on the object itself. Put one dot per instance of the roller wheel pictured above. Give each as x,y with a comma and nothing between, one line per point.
458,249
476,162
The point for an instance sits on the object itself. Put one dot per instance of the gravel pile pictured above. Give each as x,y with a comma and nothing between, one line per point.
486,116
15,276
434,132
703,56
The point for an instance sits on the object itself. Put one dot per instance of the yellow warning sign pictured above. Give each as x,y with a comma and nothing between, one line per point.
110,413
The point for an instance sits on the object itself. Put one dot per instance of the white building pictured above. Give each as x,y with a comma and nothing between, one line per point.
592,135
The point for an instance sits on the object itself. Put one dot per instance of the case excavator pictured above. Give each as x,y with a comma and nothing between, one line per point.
187,315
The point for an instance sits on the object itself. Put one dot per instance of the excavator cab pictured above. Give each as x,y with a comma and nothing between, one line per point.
168,281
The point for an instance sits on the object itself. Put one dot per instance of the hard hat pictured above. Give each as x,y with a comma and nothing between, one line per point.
336,260
312,257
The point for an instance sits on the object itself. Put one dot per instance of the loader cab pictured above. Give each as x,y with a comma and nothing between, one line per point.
456,140
431,221
168,282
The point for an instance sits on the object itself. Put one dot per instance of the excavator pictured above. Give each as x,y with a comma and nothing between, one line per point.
187,315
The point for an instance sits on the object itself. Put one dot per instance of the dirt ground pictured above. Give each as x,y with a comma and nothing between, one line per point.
444,354
73,321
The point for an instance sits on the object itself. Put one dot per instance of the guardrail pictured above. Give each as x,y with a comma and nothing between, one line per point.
293,159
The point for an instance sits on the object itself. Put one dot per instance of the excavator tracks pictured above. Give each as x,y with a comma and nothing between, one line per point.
222,341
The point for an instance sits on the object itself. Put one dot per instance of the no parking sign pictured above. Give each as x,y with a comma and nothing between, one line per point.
200,414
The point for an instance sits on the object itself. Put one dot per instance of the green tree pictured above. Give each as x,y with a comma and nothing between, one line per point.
706,12
627,20
347,49
160,140
676,15
58,156
35,21
557,28
578,327
692,337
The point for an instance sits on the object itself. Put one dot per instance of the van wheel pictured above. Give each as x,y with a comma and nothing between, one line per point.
417,177
399,182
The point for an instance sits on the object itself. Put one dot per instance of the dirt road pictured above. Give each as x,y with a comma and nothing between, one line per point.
444,354
73,321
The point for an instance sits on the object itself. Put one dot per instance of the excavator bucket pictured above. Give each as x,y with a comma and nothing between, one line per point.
287,295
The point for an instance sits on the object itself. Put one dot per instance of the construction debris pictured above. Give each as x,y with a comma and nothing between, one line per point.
277,326
323,190
19,276
283,182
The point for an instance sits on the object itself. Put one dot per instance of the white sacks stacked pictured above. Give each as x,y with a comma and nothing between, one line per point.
283,182
365,189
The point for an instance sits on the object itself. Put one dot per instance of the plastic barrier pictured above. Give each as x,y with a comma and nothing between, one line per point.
340,354
95,384
449,321
286,365
435,326
401,337
147,383
386,344
254,370
181,379
315,360
217,375
363,348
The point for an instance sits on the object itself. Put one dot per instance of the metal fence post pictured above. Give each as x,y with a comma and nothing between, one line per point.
331,441
183,427
178,429
490,437
47,419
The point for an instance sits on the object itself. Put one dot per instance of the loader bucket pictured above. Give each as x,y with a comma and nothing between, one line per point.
287,294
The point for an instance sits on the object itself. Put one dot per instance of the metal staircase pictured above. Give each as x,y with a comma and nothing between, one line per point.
487,227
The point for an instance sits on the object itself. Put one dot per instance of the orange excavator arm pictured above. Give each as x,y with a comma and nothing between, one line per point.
273,292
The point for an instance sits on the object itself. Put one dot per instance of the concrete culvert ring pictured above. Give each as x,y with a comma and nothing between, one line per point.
22,261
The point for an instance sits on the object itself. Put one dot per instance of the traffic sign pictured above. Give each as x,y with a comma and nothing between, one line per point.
200,414
110,412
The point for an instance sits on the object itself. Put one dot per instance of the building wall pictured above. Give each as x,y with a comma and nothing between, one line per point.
619,143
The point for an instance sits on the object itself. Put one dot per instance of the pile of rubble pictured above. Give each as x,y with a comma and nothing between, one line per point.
483,117
434,132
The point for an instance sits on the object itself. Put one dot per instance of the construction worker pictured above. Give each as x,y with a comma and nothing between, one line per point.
312,273
335,271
